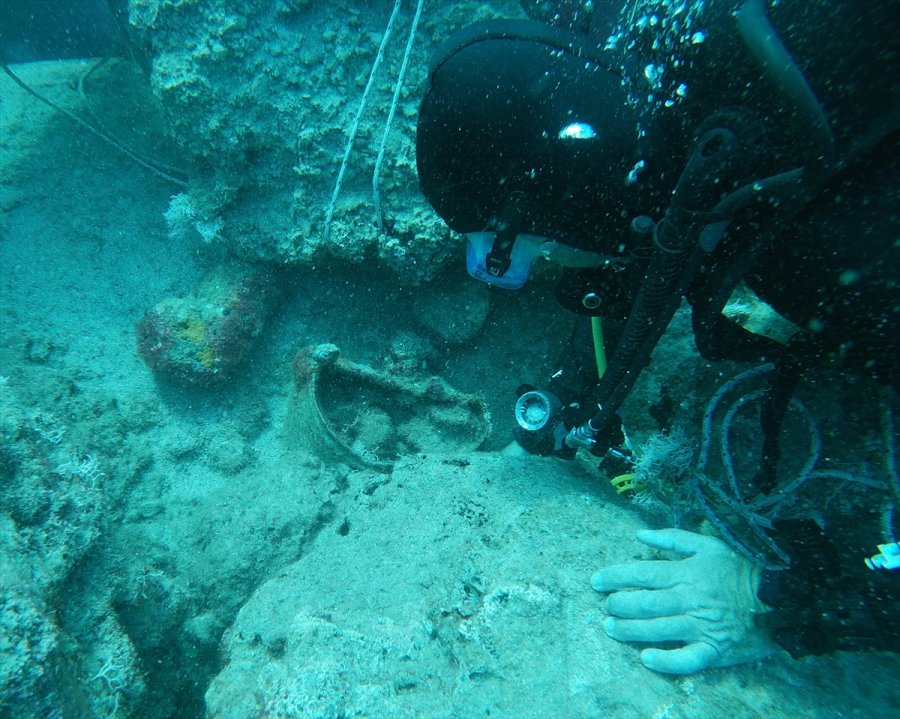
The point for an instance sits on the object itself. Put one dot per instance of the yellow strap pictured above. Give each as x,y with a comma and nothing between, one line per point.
627,483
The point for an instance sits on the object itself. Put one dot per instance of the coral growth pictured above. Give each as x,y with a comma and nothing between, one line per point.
201,339
664,462
53,509
262,96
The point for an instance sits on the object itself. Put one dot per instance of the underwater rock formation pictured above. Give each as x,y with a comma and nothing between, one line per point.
202,338
56,659
452,309
458,586
453,588
261,95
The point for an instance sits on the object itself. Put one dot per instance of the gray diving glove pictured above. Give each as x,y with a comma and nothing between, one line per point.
706,601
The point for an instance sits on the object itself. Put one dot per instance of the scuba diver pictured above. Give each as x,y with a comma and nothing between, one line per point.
669,151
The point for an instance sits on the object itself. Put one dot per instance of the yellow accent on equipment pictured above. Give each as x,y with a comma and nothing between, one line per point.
599,348
627,483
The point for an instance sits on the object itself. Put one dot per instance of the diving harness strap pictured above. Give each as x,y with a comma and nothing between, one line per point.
698,217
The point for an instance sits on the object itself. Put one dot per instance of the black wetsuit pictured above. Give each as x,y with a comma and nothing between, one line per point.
831,266
758,142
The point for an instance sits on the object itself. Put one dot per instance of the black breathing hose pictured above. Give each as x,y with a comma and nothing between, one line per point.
718,154
702,207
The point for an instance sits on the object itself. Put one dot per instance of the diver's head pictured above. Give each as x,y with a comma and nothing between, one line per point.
526,145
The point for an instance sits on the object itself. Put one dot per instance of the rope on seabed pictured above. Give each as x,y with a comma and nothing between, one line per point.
707,436
169,174
759,513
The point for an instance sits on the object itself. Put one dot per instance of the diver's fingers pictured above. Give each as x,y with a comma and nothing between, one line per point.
659,629
685,660
678,540
637,575
643,604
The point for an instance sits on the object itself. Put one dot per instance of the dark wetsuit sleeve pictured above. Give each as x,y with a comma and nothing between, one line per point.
576,372
829,599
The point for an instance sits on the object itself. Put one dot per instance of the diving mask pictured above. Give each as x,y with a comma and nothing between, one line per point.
506,262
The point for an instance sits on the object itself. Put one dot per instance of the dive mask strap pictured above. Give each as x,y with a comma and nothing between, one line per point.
499,257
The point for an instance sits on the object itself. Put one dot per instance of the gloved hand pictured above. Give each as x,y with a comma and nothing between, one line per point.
707,601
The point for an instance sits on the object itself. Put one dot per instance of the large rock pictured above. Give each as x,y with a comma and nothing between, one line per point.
459,587
262,96
203,338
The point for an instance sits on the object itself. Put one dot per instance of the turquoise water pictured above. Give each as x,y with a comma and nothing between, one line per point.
177,541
